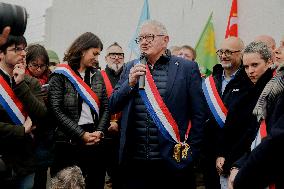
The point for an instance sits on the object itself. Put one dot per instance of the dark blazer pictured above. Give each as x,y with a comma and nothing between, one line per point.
184,99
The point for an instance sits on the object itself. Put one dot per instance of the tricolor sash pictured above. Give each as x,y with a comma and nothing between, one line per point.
163,118
262,133
10,102
214,101
109,89
82,88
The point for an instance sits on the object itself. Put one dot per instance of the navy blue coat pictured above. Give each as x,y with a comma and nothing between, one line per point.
184,99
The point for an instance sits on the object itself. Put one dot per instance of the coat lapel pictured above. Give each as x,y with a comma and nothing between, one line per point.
173,68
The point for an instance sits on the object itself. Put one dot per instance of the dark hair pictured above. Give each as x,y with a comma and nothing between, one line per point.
13,40
83,42
191,49
36,51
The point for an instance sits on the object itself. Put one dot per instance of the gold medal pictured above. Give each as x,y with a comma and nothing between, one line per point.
185,148
177,152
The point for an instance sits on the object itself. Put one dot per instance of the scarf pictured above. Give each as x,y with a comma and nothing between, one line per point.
269,94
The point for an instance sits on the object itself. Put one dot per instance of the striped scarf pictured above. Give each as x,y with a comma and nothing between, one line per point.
270,92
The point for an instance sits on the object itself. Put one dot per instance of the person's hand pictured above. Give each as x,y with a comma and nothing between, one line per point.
28,125
135,72
19,73
113,128
234,171
99,135
89,138
4,35
219,164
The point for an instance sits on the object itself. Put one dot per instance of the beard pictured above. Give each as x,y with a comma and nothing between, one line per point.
114,66
226,66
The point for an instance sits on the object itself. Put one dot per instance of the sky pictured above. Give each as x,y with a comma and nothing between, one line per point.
36,22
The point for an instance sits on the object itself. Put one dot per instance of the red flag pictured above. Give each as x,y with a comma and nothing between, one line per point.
232,26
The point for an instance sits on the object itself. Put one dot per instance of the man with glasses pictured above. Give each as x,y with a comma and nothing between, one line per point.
115,60
21,107
161,124
230,83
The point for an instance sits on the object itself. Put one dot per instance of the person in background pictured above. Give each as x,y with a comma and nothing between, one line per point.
155,153
282,42
68,178
174,50
37,66
18,121
78,101
231,83
263,166
279,55
53,59
115,61
241,124
187,52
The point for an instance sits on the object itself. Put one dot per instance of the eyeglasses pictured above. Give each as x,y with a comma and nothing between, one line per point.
17,50
114,55
226,52
37,66
148,38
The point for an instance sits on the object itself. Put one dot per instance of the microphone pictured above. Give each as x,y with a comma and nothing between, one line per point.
143,60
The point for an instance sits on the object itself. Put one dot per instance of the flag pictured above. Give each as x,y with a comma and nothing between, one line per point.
145,15
206,50
232,26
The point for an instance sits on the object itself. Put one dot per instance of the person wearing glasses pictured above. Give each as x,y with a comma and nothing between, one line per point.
115,61
21,108
37,66
161,123
223,90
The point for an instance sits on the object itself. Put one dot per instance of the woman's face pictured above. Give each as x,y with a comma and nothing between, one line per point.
90,57
279,53
255,66
37,67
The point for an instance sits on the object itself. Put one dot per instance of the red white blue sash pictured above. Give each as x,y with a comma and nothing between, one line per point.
109,87
10,102
159,111
82,88
262,133
214,101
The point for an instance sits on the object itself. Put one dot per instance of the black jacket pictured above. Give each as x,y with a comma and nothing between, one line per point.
235,90
66,106
241,125
264,165
16,146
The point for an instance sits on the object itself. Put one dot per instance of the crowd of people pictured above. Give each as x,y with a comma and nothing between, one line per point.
153,122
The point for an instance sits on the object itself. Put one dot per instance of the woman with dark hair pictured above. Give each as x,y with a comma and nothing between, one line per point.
78,100
37,63
37,66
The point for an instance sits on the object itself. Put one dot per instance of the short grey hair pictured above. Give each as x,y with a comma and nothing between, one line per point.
70,177
260,48
158,25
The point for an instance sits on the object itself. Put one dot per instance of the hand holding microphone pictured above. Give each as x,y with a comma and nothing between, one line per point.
138,71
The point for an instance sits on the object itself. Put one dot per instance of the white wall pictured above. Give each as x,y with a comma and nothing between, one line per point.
116,20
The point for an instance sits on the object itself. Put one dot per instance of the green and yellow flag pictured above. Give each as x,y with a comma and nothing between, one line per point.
206,50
